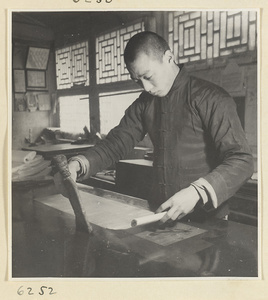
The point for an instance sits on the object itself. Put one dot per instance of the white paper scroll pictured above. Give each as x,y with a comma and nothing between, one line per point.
147,219
23,156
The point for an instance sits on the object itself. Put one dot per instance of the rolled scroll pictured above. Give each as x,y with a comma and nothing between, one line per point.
147,219
23,156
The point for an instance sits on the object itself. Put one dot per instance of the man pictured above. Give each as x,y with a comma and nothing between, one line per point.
201,156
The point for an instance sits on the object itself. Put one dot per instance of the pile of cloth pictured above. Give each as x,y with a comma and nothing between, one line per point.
27,165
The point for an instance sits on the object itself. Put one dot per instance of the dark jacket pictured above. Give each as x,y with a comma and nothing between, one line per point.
196,133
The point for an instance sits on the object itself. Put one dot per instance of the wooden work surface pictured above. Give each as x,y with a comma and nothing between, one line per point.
46,244
110,214
49,150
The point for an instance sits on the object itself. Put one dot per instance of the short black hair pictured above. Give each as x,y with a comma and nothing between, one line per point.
147,42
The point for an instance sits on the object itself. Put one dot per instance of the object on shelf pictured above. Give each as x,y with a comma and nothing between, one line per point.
31,102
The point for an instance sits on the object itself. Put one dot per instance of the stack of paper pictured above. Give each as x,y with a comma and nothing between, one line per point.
27,165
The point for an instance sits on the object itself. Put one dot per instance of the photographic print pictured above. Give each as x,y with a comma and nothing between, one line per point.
37,58
148,165
19,81
36,79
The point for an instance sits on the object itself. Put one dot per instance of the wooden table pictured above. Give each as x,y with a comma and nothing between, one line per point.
46,244
50,150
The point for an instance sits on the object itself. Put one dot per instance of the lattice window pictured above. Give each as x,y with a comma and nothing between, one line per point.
110,47
63,68
72,66
199,35
80,65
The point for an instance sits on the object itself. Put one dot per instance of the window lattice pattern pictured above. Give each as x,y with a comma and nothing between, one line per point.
72,66
80,64
110,47
63,68
203,35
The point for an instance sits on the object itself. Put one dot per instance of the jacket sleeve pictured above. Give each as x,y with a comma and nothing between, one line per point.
119,141
218,113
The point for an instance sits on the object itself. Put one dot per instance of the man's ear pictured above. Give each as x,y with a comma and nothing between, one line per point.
169,56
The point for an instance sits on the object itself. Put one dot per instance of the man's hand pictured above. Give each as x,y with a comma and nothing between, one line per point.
179,204
74,167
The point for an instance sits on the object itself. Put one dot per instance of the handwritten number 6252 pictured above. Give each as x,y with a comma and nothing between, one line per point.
20,291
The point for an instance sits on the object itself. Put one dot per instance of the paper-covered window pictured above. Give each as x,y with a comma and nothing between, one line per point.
74,113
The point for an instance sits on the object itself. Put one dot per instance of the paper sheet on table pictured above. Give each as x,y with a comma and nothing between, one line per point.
103,212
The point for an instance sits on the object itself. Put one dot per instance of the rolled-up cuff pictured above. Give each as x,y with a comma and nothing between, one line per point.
205,191
84,166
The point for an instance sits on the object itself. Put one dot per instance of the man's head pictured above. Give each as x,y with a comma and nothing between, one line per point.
151,63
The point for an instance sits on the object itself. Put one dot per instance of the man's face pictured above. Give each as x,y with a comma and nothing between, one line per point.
153,75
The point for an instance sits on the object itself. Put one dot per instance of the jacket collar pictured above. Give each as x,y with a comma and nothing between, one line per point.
180,80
